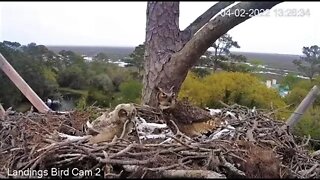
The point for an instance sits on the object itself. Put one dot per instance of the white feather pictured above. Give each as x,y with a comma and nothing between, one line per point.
214,111
89,125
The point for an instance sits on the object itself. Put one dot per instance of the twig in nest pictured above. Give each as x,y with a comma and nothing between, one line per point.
192,157
136,130
169,167
2,176
166,173
179,132
250,132
279,109
74,138
123,162
86,150
167,140
224,104
316,153
238,157
307,142
122,151
39,158
124,130
191,153
231,167
213,161
115,138
192,174
307,172
113,175
38,125
32,150
69,160
179,141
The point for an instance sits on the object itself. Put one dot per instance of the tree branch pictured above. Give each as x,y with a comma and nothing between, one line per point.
2,111
212,31
205,17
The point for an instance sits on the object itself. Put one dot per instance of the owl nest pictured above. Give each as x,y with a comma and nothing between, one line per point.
250,145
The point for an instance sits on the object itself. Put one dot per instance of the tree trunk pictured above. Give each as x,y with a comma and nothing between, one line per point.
170,53
162,40
215,60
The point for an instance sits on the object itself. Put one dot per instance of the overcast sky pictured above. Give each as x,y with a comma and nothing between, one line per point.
123,24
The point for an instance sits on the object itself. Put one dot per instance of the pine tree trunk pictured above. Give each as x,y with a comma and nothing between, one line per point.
170,53
162,40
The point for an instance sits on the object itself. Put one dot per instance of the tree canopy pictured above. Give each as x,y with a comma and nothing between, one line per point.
309,64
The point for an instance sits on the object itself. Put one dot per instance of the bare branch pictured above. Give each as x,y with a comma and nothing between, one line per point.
205,17
213,30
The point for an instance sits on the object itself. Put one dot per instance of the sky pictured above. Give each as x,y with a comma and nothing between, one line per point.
123,24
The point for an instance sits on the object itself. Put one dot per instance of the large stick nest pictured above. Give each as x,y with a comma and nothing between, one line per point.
256,146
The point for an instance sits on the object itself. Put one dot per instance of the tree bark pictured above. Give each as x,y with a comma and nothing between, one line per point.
205,17
169,53
162,40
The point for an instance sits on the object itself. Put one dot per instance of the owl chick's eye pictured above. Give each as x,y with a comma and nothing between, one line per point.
163,95
122,113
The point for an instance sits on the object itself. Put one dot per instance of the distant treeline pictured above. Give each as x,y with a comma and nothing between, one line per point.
113,52
283,61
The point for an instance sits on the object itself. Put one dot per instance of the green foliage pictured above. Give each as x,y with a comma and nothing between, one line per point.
206,60
99,97
256,62
300,90
235,67
289,80
309,64
222,51
50,75
229,87
222,58
31,62
257,65
72,77
102,82
237,58
101,57
136,58
67,72
224,44
200,72
310,124
82,103
130,91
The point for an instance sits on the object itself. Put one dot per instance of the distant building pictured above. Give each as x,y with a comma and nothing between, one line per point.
283,91
87,58
268,83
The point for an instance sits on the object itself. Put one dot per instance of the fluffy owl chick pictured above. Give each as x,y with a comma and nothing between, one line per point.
191,120
110,124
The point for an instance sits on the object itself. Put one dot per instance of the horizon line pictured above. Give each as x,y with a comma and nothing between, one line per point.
239,51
